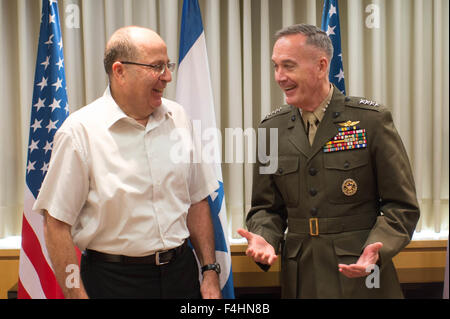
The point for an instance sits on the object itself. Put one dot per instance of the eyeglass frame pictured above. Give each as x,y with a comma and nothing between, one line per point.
169,65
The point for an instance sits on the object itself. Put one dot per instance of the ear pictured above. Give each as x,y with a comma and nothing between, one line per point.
323,66
118,71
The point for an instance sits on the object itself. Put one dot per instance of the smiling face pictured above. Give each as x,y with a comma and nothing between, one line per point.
300,71
138,89
146,85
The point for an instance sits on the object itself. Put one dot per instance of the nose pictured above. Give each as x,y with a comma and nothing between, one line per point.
280,76
166,76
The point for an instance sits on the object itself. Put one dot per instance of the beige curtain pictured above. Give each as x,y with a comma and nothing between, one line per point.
394,52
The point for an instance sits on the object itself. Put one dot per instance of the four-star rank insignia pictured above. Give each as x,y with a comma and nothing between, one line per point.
350,136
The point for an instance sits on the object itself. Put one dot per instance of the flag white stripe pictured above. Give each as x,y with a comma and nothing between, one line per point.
36,222
30,278
187,68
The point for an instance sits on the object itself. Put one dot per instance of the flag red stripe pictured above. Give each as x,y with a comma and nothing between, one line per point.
21,291
32,247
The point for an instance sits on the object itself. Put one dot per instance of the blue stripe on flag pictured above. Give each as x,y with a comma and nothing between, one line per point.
215,206
191,27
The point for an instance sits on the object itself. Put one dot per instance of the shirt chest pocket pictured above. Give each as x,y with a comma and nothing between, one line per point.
286,179
348,176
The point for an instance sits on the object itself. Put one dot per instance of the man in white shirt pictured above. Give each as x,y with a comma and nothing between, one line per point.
113,190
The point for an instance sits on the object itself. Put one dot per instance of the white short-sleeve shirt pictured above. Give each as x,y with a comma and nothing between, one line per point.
118,183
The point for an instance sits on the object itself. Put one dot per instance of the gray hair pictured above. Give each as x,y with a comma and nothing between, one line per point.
314,36
120,47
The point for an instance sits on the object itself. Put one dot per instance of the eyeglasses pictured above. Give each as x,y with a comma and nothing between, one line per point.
158,68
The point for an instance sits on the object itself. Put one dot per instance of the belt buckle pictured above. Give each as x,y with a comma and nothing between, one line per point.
314,230
157,261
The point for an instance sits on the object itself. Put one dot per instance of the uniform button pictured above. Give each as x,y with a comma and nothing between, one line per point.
313,171
314,211
293,118
346,164
313,192
280,171
336,114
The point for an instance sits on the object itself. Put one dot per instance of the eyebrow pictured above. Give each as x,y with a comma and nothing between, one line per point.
161,61
285,61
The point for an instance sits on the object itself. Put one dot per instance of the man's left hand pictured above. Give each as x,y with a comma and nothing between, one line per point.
210,287
369,257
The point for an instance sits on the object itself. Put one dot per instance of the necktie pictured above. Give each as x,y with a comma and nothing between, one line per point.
312,126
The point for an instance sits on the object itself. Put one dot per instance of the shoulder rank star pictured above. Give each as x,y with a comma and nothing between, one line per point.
368,102
349,123
273,113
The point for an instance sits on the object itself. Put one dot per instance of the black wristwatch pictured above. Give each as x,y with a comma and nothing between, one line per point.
215,267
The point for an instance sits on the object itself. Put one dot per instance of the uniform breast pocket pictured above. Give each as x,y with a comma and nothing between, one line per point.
348,177
287,179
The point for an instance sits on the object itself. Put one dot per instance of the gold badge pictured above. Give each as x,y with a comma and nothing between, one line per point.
349,123
349,187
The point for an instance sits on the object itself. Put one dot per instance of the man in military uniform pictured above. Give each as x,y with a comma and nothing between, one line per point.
343,189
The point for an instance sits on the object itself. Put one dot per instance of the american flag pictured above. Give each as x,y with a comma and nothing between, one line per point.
330,24
49,110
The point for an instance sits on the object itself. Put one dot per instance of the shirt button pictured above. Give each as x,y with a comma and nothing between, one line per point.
314,211
313,171
313,192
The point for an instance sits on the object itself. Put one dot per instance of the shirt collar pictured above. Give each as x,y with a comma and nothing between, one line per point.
319,112
115,113
161,111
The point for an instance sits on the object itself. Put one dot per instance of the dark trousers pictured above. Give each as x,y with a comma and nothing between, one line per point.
177,279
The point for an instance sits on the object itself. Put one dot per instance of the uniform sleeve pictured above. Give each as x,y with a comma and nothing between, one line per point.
267,215
396,189
66,185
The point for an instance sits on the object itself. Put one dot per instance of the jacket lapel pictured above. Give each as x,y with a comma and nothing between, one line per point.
328,128
297,134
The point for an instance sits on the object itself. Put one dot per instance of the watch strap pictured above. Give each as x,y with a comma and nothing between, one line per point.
215,267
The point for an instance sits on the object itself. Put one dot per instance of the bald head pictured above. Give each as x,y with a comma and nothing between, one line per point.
125,44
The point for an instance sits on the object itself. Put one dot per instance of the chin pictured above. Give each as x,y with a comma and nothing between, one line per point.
291,101
156,103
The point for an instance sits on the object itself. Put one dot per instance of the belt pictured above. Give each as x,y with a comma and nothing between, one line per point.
158,258
333,225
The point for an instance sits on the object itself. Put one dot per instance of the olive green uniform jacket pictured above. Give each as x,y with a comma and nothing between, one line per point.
329,221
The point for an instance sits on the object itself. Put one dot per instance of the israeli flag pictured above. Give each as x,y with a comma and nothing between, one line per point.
194,93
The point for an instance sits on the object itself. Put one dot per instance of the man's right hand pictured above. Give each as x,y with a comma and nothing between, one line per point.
258,248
